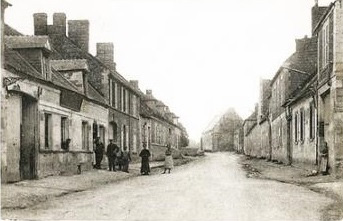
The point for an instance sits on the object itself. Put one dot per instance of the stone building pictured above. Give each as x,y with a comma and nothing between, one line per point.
305,104
219,135
42,109
159,126
328,28
122,99
57,98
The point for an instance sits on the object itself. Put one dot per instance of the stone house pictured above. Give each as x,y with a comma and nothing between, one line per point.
42,109
220,133
159,126
327,26
293,73
122,99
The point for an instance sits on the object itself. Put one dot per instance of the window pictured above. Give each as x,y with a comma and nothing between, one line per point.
312,121
114,99
124,100
47,131
296,127
325,44
102,134
64,133
85,136
134,105
302,124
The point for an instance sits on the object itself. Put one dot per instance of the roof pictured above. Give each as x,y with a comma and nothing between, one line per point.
73,64
303,61
8,30
95,95
16,63
16,42
67,49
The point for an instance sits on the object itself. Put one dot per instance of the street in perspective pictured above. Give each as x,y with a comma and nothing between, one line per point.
172,110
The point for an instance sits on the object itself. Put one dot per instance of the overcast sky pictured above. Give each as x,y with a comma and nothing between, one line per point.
200,57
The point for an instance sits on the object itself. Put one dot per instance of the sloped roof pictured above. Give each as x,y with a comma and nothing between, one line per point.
8,30
72,64
303,61
15,62
15,42
67,49
95,95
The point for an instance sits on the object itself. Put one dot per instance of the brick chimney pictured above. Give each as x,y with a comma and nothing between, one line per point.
105,53
301,43
148,92
59,23
134,84
40,22
78,32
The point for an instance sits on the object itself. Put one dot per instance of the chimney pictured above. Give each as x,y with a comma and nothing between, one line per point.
78,32
105,53
59,23
148,92
134,84
303,44
40,21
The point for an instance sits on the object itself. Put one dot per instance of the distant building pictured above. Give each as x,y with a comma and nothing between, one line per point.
219,136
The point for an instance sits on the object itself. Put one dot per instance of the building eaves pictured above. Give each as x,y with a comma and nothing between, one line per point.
19,42
322,18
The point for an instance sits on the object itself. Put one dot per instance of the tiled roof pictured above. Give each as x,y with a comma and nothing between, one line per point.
69,50
27,42
8,30
59,80
95,95
73,64
16,63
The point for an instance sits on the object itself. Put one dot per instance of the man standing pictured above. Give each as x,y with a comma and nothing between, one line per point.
99,152
111,147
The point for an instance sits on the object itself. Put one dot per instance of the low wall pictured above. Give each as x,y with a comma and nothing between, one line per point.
63,163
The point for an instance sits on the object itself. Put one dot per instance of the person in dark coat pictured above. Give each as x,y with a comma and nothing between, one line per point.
145,154
126,160
111,147
119,158
99,152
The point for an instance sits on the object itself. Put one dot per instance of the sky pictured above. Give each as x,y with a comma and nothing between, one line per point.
200,57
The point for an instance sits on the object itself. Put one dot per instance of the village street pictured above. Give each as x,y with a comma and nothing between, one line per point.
213,188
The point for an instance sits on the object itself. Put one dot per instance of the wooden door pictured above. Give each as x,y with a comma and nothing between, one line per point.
28,142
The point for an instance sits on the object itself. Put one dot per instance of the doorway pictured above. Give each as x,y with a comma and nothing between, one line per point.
29,138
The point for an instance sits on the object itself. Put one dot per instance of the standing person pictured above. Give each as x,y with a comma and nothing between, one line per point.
324,159
168,161
145,154
126,160
99,152
111,147
119,158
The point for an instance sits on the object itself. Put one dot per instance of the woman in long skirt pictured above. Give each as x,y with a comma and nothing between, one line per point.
145,154
168,162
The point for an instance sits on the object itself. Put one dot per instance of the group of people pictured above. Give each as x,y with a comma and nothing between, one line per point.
115,156
145,155
122,158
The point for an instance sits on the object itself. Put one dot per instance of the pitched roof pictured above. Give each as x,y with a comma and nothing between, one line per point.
15,42
8,30
73,64
67,49
16,63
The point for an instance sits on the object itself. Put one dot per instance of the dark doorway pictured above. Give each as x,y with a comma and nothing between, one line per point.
29,138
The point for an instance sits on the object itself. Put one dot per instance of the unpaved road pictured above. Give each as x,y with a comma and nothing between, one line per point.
214,188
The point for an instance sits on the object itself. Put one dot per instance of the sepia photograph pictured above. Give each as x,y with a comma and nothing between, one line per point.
172,110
